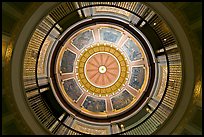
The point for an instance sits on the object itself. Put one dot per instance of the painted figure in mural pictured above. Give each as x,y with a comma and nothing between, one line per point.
132,50
83,39
109,34
67,62
95,105
122,100
72,89
137,77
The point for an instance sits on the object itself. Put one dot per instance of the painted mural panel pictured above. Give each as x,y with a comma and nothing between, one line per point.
67,62
132,50
121,100
94,104
72,89
137,77
83,39
110,35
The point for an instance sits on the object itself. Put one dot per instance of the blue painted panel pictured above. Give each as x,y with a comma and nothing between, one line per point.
132,51
137,77
72,89
83,39
121,100
94,105
67,62
110,35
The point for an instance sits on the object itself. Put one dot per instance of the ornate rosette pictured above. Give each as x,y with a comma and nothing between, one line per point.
102,69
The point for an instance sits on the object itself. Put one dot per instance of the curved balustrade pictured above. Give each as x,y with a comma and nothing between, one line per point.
48,31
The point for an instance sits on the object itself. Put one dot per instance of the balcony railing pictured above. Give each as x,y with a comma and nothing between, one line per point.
36,83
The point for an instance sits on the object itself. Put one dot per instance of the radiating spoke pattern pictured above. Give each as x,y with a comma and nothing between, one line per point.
100,73
102,69
108,70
